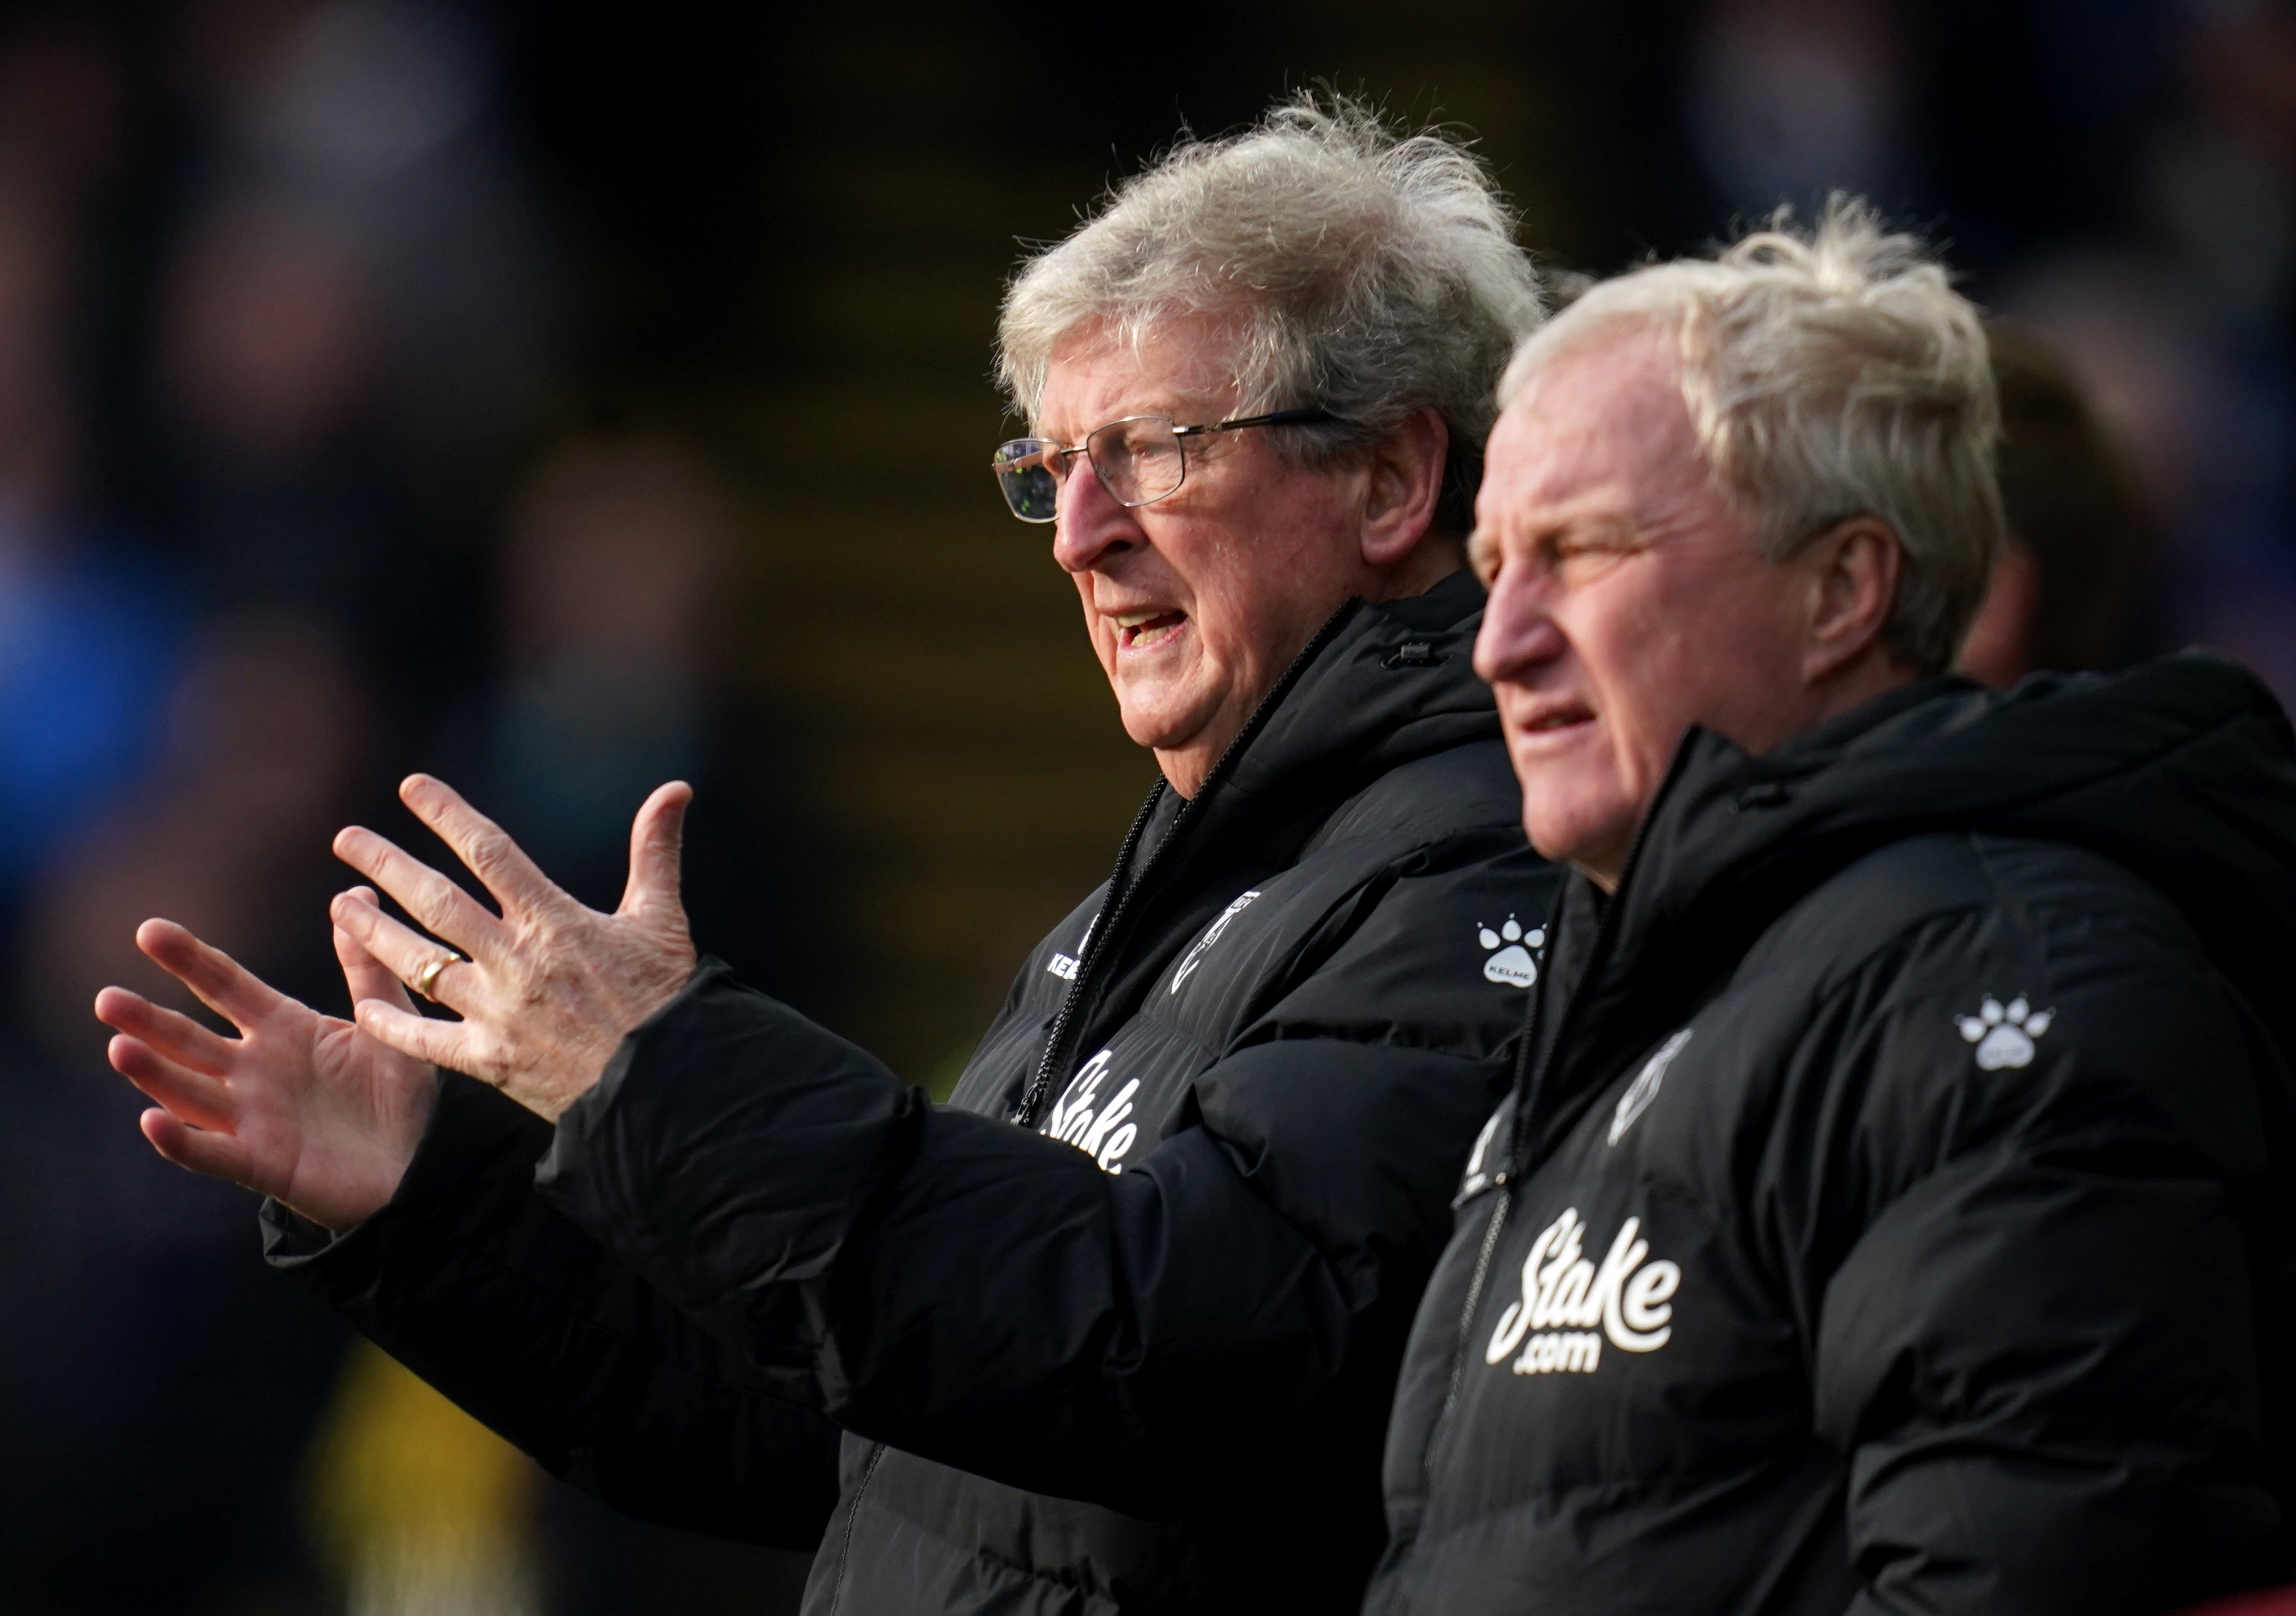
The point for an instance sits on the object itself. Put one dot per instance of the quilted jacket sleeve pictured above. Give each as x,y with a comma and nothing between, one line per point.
981,1294
470,1280
2039,1348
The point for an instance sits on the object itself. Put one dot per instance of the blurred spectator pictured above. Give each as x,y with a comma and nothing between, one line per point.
270,364
1789,99
2140,342
375,118
271,338
357,321
618,552
613,548
2208,426
2080,534
158,1388
2181,335
2220,182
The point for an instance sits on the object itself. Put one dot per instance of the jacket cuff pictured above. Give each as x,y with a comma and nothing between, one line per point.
730,1145
474,1132
647,1045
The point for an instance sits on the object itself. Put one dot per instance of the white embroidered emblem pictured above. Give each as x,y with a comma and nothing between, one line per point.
1643,1089
1211,935
1565,1297
1512,965
2003,1034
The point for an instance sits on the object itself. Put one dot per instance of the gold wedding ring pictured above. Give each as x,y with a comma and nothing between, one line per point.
429,979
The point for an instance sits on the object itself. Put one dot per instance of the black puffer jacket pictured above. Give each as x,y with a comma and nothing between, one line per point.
1147,1369
1894,1210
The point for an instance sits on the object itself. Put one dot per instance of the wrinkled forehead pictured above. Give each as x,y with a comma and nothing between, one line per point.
1182,365
1603,416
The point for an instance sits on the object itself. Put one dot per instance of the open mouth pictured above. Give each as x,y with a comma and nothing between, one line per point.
1554,721
1144,630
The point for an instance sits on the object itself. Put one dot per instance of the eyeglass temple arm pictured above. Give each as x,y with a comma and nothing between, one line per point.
1300,417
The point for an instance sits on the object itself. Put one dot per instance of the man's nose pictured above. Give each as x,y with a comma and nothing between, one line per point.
1092,522
1518,632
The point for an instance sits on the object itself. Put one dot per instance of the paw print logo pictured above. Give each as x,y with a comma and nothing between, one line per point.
1511,966
2003,1034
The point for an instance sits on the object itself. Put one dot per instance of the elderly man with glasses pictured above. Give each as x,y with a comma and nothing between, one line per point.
1893,1209
1117,1328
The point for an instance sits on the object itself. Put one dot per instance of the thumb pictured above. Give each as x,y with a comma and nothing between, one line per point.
657,843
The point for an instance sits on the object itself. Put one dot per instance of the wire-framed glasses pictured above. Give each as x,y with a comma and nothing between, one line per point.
1138,460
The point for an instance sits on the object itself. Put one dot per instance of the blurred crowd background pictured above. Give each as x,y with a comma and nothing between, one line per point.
563,396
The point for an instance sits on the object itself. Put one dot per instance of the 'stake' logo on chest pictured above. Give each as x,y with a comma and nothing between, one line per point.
1570,1306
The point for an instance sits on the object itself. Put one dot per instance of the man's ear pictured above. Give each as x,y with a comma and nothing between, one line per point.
1403,482
1853,568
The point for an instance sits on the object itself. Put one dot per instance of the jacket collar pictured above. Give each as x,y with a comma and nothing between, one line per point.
1377,687
2182,769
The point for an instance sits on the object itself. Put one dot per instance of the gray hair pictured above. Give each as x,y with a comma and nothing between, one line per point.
1370,271
1830,372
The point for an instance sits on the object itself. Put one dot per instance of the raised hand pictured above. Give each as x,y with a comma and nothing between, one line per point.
547,989
301,1105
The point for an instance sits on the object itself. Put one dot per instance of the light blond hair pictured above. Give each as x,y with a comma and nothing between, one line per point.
1831,371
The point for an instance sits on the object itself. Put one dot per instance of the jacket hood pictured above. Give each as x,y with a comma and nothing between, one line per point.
1380,685
1377,687
2182,770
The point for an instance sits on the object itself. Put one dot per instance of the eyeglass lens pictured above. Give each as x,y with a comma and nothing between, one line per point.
1025,472
1137,459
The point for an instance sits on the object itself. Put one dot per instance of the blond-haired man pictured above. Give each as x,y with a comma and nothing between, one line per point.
1892,1208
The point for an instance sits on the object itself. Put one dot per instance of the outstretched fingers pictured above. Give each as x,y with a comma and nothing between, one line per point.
656,845
430,896
222,983
198,1098
403,954
484,846
176,1037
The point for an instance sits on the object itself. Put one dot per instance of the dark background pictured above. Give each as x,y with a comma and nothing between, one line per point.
563,396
